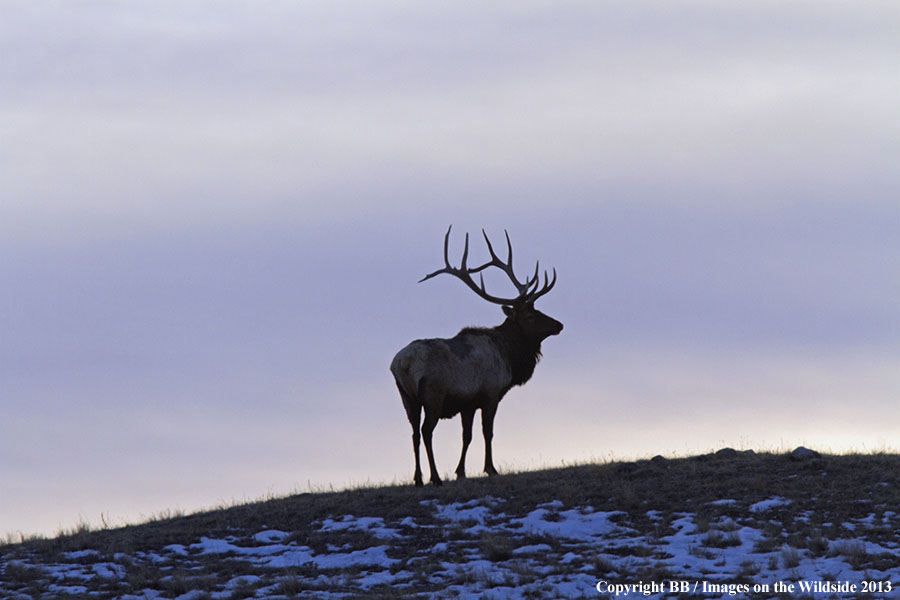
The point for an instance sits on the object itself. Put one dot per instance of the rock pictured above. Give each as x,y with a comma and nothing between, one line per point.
802,453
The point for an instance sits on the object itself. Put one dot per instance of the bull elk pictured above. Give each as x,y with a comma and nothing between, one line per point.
474,369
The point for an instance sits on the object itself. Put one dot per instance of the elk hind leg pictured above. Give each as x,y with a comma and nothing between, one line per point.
414,413
432,414
467,417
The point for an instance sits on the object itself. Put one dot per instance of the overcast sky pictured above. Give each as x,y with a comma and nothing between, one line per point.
213,217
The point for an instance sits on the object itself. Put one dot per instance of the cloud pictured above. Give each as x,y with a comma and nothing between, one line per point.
185,114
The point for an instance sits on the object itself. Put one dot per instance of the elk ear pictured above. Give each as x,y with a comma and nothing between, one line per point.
508,310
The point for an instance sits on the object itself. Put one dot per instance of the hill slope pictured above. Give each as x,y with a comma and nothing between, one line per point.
722,523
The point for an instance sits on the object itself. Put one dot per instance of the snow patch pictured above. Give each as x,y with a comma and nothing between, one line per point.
374,525
270,536
768,504
571,524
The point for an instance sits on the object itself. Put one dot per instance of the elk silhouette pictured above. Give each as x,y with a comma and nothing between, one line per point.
474,369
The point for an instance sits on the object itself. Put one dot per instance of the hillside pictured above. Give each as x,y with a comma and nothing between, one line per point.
711,526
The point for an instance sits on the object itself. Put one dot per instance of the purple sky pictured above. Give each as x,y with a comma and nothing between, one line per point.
212,221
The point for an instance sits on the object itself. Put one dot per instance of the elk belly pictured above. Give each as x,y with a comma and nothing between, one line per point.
453,405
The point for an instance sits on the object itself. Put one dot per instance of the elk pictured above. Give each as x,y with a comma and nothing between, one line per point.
474,369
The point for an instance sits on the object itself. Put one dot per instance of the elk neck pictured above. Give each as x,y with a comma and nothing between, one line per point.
522,351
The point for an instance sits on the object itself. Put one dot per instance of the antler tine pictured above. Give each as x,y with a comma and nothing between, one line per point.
447,247
535,279
465,256
546,287
447,268
522,287
487,241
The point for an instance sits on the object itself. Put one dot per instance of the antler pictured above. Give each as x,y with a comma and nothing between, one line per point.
528,291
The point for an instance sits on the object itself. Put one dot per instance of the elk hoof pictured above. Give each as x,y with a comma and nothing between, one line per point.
491,471
460,474
437,482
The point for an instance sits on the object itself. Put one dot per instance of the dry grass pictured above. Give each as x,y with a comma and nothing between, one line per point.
831,490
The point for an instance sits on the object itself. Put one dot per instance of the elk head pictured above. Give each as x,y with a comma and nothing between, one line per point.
519,310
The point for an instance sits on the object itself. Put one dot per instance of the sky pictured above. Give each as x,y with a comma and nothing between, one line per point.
213,218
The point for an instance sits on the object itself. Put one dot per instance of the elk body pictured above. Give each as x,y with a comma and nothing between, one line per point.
474,369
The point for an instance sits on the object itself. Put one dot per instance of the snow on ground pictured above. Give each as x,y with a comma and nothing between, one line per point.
768,504
477,549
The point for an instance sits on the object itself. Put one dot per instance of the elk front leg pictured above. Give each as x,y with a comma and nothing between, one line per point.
487,429
467,417
428,426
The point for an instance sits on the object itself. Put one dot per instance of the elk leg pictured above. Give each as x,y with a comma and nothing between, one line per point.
417,477
428,426
467,417
487,429
414,413
432,414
